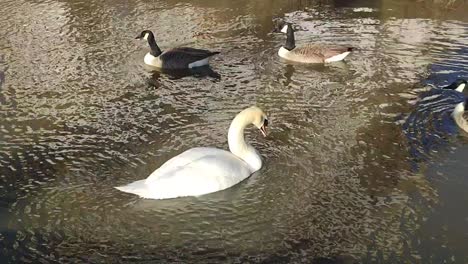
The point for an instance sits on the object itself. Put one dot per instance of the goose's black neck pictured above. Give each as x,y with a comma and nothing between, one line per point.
290,42
155,50
456,84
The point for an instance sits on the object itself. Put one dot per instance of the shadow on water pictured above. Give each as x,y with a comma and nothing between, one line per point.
197,72
429,127
2,79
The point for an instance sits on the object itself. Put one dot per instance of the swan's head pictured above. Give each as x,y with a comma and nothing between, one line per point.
145,34
458,85
257,117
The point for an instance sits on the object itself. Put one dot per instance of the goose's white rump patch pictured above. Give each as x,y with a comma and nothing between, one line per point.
338,57
198,63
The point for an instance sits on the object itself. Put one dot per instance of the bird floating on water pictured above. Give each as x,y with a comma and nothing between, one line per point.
310,53
204,170
175,58
459,110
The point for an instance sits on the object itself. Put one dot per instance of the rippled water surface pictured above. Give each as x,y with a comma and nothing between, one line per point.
360,165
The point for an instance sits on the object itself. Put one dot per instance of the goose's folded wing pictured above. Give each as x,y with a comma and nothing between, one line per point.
185,56
319,51
313,52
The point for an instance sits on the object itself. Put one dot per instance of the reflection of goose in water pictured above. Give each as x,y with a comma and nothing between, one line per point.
2,78
2,75
199,72
434,120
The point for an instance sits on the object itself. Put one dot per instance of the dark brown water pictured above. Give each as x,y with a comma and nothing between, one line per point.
354,171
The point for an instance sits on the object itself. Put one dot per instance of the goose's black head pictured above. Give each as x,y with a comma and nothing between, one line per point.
287,27
145,34
458,85
149,36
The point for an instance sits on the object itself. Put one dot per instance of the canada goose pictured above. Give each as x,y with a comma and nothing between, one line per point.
459,110
205,170
458,85
457,115
176,58
310,53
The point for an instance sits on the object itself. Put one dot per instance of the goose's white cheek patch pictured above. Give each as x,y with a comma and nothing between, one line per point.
285,29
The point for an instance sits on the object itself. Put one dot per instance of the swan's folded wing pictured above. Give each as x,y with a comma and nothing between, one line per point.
185,158
208,174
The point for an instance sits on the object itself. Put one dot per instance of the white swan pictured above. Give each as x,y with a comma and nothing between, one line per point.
204,170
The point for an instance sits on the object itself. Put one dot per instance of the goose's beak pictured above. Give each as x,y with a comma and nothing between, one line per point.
138,37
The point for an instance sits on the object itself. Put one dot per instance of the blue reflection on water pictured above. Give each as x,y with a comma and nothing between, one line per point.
430,126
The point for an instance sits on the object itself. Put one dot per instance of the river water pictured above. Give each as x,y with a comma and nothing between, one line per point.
357,166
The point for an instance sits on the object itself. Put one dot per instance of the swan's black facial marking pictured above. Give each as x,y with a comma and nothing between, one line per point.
265,122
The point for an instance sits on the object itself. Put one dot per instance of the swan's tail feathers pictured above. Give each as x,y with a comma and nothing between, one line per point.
138,187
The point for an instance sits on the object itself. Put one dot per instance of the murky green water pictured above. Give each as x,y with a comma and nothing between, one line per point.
346,177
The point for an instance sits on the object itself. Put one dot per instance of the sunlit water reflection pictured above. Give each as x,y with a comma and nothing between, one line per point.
354,171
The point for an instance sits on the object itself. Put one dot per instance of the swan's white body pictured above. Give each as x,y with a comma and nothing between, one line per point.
199,171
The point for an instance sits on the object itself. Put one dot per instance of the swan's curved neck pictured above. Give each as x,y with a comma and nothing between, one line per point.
239,147
458,116
290,42
155,50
